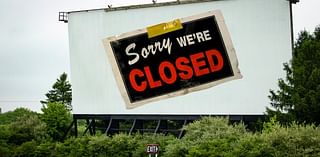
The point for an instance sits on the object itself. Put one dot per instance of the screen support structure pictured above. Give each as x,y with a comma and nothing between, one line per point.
291,22
151,124
166,124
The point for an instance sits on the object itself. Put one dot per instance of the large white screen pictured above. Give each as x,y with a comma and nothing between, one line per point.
260,31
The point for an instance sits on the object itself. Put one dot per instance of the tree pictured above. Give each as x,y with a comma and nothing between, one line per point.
27,128
298,97
57,118
61,92
12,116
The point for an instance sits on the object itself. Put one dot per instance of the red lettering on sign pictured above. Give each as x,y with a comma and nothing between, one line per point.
152,83
132,76
217,54
167,65
169,72
198,62
186,71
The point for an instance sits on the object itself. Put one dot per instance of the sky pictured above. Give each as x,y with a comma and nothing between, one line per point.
35,51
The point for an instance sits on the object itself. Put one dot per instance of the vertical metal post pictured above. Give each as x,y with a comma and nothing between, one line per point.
292,31
139,126
291,2
157,128
93,126
133,126
109,126
113,127
75,127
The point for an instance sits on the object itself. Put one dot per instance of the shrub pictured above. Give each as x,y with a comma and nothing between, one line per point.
122,145
5,149
5,133
276,140
25,149
99,145
12,116
295,140
27,128
143,140
207,137
58,118
46,149
251,146
73,147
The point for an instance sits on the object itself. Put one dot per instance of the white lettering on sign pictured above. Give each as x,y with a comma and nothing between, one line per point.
152,149
166,44
132,46
145,51
191,39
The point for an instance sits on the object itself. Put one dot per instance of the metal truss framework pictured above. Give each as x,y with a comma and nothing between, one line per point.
154,124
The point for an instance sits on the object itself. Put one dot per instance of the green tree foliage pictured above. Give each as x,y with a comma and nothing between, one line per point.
206,137
298,97
120,145
27,128
26,149
46,149
215,137
57,119
61,92
5,148
11,116
21,135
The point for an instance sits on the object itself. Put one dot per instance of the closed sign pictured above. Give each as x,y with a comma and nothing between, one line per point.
172,58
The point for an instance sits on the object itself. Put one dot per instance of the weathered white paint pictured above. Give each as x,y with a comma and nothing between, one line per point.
260,31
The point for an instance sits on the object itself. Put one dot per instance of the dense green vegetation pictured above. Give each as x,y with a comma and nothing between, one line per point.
206,137
298,97
11,116
57,118
21,130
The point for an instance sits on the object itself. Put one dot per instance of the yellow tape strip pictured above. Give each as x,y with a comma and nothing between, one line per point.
164,28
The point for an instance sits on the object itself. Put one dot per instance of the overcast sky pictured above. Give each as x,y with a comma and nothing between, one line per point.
34,44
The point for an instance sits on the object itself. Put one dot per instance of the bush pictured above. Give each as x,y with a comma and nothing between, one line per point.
207,137
73,147
5,149
214,137
46,149
276,140
27,128
122,145
58,118
5,133
25,149
253,145
12,116
295,140
99,145
143,140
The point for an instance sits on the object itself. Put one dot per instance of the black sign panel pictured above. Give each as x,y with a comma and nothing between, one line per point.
188,57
